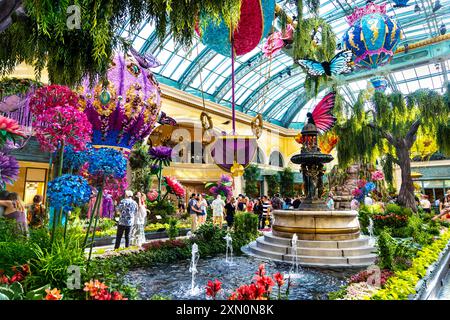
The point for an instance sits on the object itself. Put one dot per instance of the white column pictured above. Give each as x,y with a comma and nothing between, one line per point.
237,186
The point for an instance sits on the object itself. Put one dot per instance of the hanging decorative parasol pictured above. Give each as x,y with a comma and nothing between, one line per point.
233,152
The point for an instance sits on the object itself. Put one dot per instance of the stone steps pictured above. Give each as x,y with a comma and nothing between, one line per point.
341,244
309,251
340,254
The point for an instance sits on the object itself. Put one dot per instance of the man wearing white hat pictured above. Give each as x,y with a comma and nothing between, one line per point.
128,209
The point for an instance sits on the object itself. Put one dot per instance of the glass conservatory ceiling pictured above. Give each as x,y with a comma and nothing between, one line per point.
274,87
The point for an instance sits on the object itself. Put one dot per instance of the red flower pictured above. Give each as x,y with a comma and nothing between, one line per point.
17,277
4,279
279,279
213,288
261,270
117,296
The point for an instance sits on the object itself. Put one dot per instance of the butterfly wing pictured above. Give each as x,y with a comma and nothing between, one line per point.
313,68
146,60
322,116
165,119
340,63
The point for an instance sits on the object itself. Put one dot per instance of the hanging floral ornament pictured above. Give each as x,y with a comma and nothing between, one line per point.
126,110
373,36
273,44
255,22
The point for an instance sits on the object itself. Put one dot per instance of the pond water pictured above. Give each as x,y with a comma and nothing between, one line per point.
444,292
174,280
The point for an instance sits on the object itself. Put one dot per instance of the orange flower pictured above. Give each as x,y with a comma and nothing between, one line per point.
94,287
53,294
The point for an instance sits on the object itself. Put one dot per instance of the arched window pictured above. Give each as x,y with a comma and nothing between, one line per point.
259,156
276,159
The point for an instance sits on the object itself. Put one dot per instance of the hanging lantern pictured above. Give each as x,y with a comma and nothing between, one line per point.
373,37
254,24
126,110
234,153
379,83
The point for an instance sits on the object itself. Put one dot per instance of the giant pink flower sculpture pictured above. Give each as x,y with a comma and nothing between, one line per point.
175,187
58,125
274,44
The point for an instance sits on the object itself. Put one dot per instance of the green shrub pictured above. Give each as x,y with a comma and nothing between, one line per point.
8,230
40,237
386,249
246,223
50,267
366,212
403,283
173,231
15,254
162,208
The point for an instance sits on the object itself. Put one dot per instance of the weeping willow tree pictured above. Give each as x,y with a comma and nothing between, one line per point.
390,125
77,38
305,45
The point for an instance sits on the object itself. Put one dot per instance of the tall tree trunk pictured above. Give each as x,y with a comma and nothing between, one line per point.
406,194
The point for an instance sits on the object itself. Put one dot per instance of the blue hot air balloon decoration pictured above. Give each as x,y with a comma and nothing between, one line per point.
373,36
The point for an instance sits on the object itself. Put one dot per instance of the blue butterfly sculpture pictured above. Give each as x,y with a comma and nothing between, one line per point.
338,65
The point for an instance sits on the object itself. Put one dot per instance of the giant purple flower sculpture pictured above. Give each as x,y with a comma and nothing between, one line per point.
9,170
160,156
224,187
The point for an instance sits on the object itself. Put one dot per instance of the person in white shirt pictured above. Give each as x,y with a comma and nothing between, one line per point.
218,206
425,203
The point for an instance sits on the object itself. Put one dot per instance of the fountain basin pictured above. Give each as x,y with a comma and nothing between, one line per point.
319,225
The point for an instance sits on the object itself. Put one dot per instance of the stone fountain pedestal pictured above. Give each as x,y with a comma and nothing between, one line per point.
326,238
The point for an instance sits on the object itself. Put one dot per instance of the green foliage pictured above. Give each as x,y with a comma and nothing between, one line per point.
163,208
246,223
70,54
403,283
210,239
366,212
273,184
336,295
15,291
159,297
386,248
50,267
173,231
7,230
251,175
287,182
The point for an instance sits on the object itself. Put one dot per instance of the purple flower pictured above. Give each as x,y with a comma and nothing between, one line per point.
9,170
161,154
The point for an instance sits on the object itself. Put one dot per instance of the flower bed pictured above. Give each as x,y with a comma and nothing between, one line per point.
398,285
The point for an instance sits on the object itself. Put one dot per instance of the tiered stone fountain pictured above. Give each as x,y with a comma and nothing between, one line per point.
327,238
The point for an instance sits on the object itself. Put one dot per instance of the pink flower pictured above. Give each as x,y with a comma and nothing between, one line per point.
152,195
11,126
274,44
361,183
175,187
356,193
62,124
377,175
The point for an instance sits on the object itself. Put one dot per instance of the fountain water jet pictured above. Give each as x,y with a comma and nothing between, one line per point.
193,269
229,240
294,272
370,230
